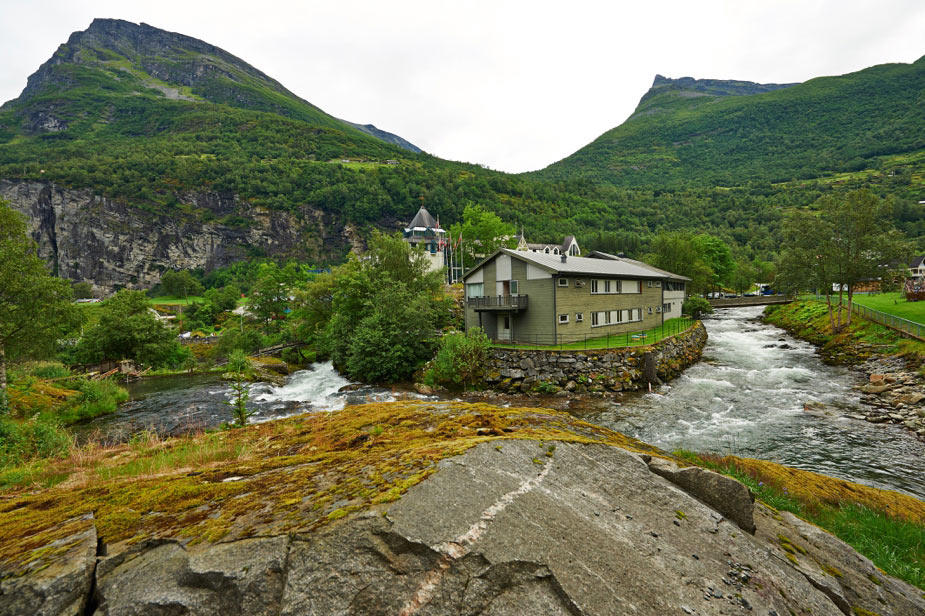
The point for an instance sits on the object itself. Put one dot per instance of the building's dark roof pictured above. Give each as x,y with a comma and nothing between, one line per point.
916,261
624,268
567,242
597,254
423,219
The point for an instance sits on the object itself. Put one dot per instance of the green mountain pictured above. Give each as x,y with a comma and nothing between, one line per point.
133,150
729,133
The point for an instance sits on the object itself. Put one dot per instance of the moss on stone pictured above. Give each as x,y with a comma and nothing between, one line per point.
291,475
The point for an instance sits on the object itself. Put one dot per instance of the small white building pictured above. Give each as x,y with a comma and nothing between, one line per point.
425,232
569,246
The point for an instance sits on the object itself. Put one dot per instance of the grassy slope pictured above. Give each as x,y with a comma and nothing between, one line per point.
825,125
809,320
887,527
895,304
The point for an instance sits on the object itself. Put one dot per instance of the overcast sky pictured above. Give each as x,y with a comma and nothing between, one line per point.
515,85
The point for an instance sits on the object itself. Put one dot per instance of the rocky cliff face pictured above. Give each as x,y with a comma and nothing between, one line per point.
113,244
572,524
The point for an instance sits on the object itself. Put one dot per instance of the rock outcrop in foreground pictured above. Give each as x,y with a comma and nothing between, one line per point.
522,512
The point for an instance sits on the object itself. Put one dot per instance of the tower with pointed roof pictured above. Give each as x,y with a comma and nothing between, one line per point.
425,232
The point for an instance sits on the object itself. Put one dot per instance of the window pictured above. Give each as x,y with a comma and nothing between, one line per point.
579,317
563,282
666,307
616,316
605,286
650,309
595,318
546,250
475,289
555,251
563,318
573,250
658,283
515,288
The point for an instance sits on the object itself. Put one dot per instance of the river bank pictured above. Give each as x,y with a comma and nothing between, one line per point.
888,367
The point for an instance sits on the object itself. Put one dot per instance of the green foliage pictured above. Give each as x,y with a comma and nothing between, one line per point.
239,365
378,315
705,259
460,360
35,308
180,284
128,329
482,233
82,290
696,307
840,244
21,441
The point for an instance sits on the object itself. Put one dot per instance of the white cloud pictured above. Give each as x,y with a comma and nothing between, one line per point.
514,85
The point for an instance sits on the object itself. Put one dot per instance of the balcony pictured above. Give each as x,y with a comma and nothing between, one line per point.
508,303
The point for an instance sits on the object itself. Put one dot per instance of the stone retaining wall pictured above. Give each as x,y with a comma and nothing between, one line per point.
599,370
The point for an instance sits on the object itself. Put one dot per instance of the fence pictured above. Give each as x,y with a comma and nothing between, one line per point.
903,326
566,342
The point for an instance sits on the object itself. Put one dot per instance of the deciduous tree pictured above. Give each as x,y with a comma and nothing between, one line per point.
35,307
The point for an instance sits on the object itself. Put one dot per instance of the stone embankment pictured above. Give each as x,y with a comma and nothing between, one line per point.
512,526
599,371
893,394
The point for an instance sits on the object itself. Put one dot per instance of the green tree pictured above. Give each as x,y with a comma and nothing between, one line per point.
238,366
847,239
482,233
679,253
35,307
82,290
270,297
180,284
379,315
129,329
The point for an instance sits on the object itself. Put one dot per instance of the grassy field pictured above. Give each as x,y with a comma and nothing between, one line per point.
895,304
167,300
626,339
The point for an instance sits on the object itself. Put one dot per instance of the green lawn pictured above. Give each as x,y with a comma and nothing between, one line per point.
895,304
167,300
626,339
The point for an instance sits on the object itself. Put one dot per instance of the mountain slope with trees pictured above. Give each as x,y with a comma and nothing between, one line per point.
721,133
189,146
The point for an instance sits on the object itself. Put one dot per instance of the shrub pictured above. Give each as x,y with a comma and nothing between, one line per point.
39,438
460,360
696,307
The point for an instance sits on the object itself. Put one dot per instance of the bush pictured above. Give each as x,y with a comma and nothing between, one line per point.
460,360
696,307
39,438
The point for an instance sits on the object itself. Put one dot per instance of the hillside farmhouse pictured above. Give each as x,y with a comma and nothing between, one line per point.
535,297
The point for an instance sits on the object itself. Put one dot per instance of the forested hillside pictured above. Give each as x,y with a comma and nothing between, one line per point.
714,133
152,118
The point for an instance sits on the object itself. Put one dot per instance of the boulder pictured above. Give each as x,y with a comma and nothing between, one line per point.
53,579
242,577
725,494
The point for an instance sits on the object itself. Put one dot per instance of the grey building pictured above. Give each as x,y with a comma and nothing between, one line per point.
535,297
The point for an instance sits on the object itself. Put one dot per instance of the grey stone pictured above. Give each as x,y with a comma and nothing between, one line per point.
725,494
226,579
55,578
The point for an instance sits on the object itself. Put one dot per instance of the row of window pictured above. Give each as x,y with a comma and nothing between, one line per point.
606,317
598,286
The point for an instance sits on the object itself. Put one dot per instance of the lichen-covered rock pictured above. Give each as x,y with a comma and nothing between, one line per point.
54,578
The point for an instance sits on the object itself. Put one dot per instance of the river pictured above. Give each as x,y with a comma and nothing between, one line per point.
746,397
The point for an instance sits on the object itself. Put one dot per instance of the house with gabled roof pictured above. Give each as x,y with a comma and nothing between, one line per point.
569,246
541,298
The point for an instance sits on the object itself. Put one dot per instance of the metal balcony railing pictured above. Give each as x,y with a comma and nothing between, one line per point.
498,302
